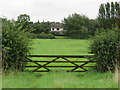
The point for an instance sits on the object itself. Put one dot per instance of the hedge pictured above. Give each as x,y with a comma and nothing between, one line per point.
15,46
106,49
45,36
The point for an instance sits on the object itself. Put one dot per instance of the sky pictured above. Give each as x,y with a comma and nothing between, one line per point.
50,10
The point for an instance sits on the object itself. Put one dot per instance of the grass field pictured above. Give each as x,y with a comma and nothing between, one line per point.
60,79
60,47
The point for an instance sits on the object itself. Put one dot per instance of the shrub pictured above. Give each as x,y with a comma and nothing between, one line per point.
32,35
106,49
15,44
73,34
58,33
77,34
45,36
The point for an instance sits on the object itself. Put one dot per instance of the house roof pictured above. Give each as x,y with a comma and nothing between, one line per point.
56,26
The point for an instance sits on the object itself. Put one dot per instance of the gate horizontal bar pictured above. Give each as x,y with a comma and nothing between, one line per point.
59,66
69,56
64,61
53,71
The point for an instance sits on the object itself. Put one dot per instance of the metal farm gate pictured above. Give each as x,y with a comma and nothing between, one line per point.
55,59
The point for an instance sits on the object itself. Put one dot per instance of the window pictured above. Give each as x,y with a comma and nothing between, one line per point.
52,28
57,28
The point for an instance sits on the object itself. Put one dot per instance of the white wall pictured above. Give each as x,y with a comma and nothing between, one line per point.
55,29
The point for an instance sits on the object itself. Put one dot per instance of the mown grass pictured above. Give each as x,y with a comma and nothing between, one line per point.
60,79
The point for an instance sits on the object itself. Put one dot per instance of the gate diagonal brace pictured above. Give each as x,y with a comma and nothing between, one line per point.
77,66
39,65
70,61
81,66
33,61
44,66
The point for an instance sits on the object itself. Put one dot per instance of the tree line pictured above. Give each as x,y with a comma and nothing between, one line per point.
109,15
80,26
76,26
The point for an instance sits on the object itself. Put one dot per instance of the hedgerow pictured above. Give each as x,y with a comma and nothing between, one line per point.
15,46
106,49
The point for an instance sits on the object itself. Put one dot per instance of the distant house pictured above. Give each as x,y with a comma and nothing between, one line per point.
56,27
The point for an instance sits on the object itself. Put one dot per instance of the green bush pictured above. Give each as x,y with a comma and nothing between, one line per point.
58,33
32,35
45,36
77,34
15,46
73,34
106,49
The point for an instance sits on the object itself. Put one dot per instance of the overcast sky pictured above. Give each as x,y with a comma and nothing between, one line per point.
49,10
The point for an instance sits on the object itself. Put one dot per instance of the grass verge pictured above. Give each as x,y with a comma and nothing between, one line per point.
59,80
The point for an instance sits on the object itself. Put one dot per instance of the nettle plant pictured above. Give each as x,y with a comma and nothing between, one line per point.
106,49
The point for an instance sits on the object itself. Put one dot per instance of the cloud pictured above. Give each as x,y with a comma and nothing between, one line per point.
49,10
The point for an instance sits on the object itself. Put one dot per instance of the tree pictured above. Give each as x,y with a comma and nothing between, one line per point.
23,18
45,26
107,10
117,9
92,26
112,10
109,15
75,25
75,22
23,22
41,27
84,32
